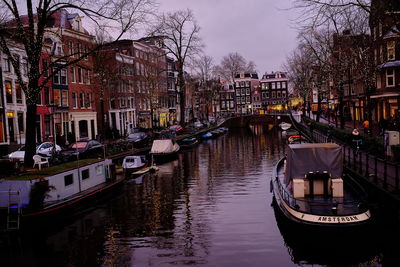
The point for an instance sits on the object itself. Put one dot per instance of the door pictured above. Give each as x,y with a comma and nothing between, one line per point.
11,129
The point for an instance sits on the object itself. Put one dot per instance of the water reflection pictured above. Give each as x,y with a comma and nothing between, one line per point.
210,207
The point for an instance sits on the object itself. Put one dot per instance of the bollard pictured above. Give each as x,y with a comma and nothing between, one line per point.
397,177
385,173
376,170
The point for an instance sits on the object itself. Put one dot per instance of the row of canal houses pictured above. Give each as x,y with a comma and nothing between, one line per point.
109,89
131,83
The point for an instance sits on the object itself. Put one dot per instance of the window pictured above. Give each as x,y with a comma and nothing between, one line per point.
78,49
375,56
278,85
99,170
9,98
391,52
283,85
85,50
47,124
68,179
74,100
25,66
6,64
248,100
247,91
85,174
381,54
87,77
88,103
278,94
272,85
63,76
64,99
70,48
18,93
56,76
273,94
46,95
39,98
45,65
389,77
81,100
380,29
79,75
20,118
56,93
72,74
284,94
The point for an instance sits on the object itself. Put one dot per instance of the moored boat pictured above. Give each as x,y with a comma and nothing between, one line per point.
164,150
134,163
206,135
188,142
310,188
56,193
285,126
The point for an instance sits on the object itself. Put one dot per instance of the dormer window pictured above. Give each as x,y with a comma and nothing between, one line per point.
391,50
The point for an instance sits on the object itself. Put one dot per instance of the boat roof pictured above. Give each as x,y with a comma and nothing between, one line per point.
312,157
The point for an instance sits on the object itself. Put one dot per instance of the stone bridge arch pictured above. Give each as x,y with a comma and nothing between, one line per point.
246,120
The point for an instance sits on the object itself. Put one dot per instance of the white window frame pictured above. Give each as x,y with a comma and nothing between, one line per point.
390,76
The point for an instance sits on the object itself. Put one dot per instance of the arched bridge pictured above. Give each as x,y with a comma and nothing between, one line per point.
246,120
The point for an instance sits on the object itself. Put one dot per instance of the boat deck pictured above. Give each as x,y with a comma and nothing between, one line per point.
320,205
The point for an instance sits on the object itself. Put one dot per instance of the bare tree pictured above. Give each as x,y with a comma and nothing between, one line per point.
232,64
118,16
180,34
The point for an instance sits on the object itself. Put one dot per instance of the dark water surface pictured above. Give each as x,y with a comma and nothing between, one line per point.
211,207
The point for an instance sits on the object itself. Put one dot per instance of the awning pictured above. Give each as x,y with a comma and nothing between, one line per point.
385,95
390,64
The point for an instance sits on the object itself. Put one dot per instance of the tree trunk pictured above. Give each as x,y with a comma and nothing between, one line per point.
182,95
340,108
318,108
30,141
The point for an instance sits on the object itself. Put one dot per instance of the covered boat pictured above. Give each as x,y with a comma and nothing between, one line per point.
285,126
134,163
310,187
164,149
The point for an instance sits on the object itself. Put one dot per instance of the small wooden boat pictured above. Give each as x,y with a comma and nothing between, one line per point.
297,139
188,142
205,136
310,187
150,169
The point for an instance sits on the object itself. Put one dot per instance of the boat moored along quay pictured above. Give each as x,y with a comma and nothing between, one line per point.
310,188
35,197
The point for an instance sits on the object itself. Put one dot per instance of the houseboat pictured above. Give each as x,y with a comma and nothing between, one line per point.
55,190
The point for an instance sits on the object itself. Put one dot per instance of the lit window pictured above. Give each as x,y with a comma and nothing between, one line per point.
391,50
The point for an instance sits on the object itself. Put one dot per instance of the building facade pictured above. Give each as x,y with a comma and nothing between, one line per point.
244,84
274,91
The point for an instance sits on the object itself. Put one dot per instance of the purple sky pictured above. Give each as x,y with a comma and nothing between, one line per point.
260,30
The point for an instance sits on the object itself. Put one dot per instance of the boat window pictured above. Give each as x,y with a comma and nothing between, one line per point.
99,169
85,174
130,160
68,179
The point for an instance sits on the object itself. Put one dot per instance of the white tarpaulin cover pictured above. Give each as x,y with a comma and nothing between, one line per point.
304,158
164,146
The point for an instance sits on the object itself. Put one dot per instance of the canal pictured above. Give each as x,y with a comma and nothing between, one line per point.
210,207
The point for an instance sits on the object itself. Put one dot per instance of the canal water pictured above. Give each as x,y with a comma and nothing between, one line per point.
210,207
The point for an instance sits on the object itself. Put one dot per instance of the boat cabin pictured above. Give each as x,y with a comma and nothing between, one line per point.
313,170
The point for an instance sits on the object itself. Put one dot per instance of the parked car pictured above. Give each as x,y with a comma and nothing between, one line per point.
138,139
83,149
177,128
198,124
44,149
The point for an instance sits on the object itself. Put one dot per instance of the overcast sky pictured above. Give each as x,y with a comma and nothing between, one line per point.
259,30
